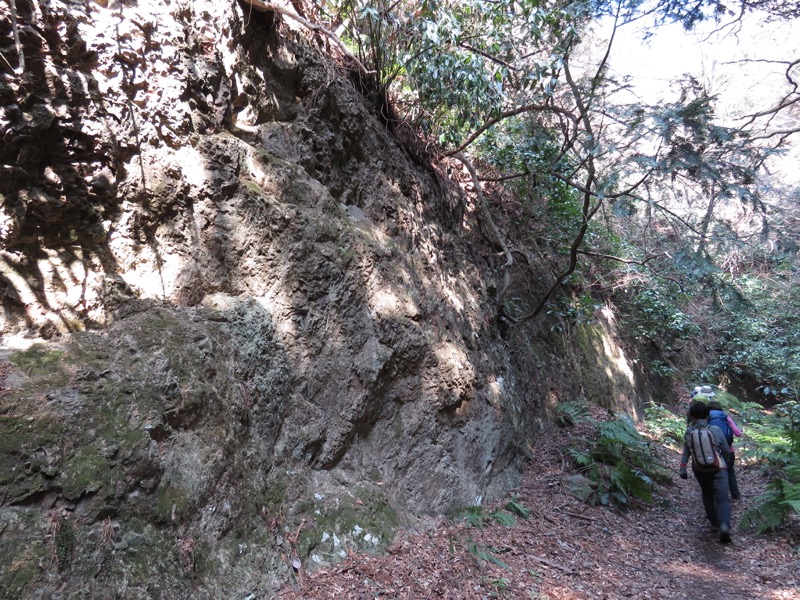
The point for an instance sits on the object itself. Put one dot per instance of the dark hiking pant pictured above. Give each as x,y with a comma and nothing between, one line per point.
714,488
733,484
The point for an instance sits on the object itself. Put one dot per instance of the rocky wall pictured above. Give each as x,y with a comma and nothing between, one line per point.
242,326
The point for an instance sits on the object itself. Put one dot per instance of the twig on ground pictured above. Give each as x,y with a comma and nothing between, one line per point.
577,516
551,563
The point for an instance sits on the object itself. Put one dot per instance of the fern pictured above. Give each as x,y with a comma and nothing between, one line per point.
744,412
619,478
772,445
572,413
776,438
621,431
793,504
503,518
620,462
773,507
472,515
767,514
580,458
619,441
513,506
480,552
632,482
665,424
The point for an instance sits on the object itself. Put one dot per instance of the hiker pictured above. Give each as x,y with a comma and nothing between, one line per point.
717,416
701,393
708,448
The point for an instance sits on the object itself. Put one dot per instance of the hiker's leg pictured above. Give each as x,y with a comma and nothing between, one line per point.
706,481
734,485
722,501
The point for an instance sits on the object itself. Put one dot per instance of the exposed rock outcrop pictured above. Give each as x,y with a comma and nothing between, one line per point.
262,329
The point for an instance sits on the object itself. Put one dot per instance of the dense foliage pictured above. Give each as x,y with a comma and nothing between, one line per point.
775,444
661,208
618,461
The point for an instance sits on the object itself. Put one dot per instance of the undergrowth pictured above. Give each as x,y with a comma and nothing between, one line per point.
476,516
776,445
665,424
619,462
771,442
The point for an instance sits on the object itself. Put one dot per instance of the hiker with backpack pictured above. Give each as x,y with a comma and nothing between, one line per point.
721,419
709,451
701,393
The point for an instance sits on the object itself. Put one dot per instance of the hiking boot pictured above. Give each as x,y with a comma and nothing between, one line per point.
724,534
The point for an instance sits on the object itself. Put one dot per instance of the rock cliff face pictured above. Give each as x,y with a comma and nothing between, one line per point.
241,325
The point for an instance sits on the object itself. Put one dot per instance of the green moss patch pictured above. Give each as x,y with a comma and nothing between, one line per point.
20,568
363,521
39,359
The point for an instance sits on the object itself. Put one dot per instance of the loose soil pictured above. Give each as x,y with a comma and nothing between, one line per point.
568,550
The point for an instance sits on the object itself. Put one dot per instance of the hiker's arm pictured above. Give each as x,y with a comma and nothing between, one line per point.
734,428
684,457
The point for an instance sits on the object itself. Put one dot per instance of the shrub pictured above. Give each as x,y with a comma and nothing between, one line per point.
620,461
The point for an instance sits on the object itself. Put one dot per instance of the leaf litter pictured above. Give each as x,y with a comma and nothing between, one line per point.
568,550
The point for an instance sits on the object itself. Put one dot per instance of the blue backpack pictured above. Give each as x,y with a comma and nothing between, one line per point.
720,419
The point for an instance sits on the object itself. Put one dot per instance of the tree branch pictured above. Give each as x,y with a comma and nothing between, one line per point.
641,263
15,28
488,216
505,177
491,57
508,114
667,211
588,211
784,133
626,192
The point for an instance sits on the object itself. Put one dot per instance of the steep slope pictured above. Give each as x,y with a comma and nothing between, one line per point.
240,321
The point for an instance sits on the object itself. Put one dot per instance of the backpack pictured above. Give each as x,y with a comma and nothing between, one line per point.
720,419
704,455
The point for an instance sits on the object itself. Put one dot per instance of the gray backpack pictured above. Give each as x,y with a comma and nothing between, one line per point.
704,455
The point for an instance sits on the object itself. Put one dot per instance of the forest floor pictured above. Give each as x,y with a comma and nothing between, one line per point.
568,550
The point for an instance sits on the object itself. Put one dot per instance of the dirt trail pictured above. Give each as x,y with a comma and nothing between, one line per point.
566,550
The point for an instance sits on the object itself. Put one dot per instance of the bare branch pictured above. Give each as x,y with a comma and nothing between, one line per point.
20,54
641,263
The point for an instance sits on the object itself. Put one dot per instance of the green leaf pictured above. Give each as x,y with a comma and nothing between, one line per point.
572,413
518,509
503,518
